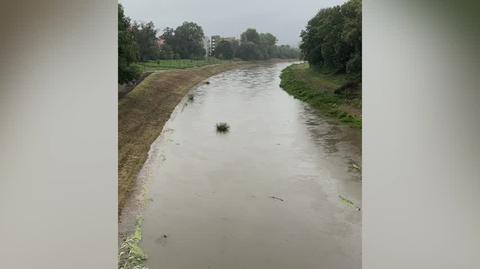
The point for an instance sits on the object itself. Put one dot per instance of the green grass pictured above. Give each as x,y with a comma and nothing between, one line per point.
316,88
177,64
131,256
320,78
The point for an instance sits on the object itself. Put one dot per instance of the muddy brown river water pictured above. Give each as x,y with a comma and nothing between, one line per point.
265,195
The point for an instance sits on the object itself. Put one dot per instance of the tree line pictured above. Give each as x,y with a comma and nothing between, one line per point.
139,42
184,42
254,46
333,38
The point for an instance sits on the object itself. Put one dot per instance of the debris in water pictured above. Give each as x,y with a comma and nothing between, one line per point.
350,203
222,127
191,97
277,198
162,240
355,166
207,82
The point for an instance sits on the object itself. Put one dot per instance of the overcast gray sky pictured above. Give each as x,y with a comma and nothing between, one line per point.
283,18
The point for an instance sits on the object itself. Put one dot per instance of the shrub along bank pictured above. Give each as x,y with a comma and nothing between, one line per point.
336,95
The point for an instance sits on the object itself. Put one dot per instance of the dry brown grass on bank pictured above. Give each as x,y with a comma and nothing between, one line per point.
142,114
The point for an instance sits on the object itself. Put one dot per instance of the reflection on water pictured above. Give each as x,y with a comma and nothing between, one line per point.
265,194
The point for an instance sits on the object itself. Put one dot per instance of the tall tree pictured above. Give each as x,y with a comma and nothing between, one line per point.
188,41
332,39
224,50
262,46
167,49
352,34
249,51
267,44
127,49
168,36
250,35
146,38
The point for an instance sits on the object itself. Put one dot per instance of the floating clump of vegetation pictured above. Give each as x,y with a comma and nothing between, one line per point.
131,256
222,127
191,97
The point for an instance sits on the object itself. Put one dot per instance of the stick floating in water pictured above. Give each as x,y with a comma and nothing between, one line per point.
277,198
350,203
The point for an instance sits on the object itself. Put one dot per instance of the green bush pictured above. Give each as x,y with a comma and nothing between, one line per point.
323,100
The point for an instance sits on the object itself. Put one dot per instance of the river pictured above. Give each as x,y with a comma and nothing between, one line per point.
276,191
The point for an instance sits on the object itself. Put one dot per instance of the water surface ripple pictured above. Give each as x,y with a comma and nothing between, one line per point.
264,195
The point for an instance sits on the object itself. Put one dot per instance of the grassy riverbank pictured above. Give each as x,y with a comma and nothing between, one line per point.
143,112
131,255
178,64
318,89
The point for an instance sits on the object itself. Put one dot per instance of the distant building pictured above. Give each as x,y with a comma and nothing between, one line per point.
213,43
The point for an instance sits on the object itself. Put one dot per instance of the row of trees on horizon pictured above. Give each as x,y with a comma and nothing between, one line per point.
139,42
254,46
331,41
